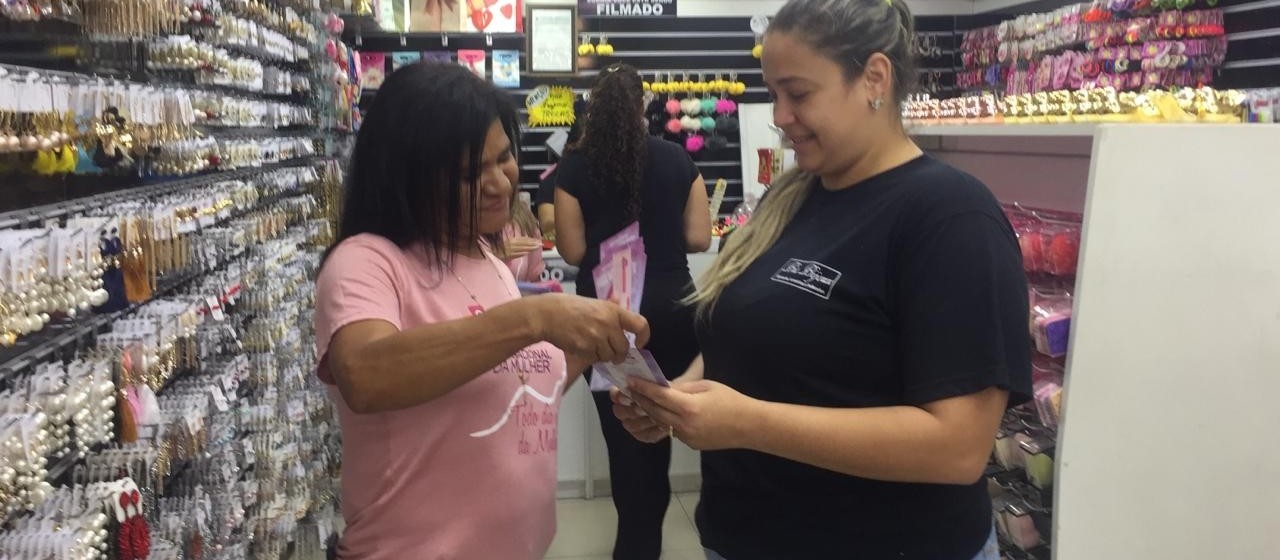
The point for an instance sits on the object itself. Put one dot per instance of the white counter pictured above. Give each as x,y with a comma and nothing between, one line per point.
581,448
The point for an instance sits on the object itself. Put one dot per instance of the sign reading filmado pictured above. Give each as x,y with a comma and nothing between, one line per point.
627,8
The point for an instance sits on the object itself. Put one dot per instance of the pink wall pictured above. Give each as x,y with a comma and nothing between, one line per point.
1050,172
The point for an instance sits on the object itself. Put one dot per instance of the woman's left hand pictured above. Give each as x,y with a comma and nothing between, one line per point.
705,415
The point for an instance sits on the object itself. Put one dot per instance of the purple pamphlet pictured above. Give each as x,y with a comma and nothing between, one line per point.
620,275
639,363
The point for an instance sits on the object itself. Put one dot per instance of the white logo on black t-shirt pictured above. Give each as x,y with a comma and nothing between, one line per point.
810,276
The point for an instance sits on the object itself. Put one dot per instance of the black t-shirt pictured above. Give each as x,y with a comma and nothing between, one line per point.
546,193
902,290
664,192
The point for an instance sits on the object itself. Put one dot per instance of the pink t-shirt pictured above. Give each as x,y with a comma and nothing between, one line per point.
470,475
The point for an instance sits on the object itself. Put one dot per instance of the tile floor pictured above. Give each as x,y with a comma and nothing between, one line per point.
586,530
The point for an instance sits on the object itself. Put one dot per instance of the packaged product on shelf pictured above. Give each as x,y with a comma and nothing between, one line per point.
373,69
1038,457
506,69
1051,322
1021,526
438,57
475,60
402,59
1047,381
1008,441
1264,106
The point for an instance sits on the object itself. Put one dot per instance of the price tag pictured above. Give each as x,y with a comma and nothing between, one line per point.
219,399
250,457
215,309
322,528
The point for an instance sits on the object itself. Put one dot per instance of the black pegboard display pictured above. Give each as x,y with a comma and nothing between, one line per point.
1253,48
704,46
693,46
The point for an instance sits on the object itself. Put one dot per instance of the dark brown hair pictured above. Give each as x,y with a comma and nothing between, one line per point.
407,182
850,31
614,138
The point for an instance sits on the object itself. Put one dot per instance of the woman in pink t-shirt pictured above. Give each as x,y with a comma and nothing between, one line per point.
447,383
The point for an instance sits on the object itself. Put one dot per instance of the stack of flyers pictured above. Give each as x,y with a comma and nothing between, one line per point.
619,278
620,275
639,363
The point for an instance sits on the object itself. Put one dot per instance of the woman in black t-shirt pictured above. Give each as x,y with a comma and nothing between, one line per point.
617,175
862,336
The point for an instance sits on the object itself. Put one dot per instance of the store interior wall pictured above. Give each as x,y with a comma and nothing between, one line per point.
721,8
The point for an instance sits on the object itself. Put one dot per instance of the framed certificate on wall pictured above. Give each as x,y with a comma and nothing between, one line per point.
552,39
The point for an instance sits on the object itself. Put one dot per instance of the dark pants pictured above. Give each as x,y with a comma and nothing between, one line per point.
638,471
641,489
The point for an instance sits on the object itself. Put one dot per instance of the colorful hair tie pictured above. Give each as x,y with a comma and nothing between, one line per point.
691,107
708,123
694,143
673,107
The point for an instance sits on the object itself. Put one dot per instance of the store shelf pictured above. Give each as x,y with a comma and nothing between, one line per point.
389,41
147,187
1074,129
72,332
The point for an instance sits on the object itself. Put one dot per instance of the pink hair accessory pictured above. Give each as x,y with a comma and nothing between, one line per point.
694,143
673,107
726,106
335,24
673,126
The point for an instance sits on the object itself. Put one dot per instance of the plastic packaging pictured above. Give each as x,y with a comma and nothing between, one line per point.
1051,323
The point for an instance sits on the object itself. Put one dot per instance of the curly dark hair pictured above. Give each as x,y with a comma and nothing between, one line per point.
614,139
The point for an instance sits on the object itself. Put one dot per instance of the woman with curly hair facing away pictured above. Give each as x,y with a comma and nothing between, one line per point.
615,175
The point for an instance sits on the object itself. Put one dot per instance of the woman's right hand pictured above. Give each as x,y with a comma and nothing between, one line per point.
588,327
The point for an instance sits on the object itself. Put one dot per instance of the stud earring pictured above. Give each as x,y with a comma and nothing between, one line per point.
877,103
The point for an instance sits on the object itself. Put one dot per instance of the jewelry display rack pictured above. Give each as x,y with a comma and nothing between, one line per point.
156,396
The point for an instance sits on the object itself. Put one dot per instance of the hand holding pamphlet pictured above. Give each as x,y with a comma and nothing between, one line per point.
619,278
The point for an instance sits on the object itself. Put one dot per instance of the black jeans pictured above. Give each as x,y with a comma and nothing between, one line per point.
638,471
641,489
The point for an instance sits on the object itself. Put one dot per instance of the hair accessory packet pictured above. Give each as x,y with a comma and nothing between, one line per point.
1051,321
